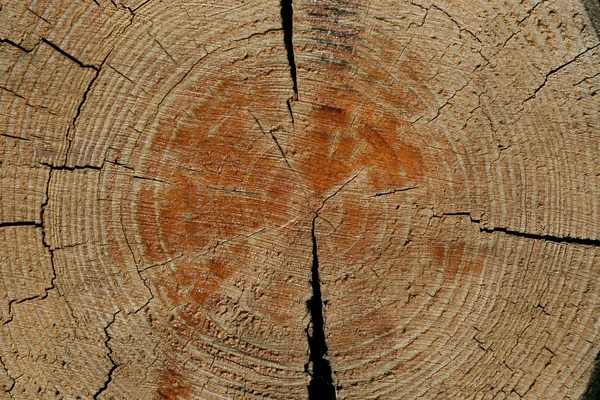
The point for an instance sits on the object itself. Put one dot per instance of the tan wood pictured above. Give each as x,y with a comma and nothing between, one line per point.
189,189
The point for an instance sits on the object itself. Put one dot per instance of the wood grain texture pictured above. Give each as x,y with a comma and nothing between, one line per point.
190,190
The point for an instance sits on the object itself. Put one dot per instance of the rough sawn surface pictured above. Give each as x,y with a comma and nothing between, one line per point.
191,190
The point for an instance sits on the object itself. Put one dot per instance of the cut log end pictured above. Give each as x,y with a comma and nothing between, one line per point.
307,199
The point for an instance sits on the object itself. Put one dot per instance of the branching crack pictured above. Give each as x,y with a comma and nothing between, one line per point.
109,355
270,132
145,283
321,384
46,244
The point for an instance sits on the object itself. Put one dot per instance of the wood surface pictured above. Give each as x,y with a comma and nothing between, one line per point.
205,199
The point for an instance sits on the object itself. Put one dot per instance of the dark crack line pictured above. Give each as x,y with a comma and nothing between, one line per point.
74,168
69,56
83,100
535,236
18,46
53,46
45,239
114,365
318,368
289,106
20,223
45,243
287,20
321,383
557,69
270,133
85,95
394,191
547,238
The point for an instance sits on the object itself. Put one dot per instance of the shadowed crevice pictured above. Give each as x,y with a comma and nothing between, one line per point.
536,236
593,389
321,383
287,20
114,365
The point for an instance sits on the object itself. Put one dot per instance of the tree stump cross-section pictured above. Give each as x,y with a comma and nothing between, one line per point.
320,199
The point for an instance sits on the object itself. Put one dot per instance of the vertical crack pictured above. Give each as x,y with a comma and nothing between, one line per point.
114,365
287,20
321,383
83,100
45,239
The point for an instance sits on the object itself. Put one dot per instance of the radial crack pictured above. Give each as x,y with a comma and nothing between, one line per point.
45,243
557,69
394,191
18,46
321,383
287,20
85,95
527,235
69,56
114,365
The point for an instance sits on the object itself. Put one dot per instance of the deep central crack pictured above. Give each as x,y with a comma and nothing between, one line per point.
287,15
321,383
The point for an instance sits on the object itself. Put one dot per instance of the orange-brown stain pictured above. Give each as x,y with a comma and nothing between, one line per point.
452,257
372,324
193,289
357,113
476,266
224,176
198,283
347,135
172,386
